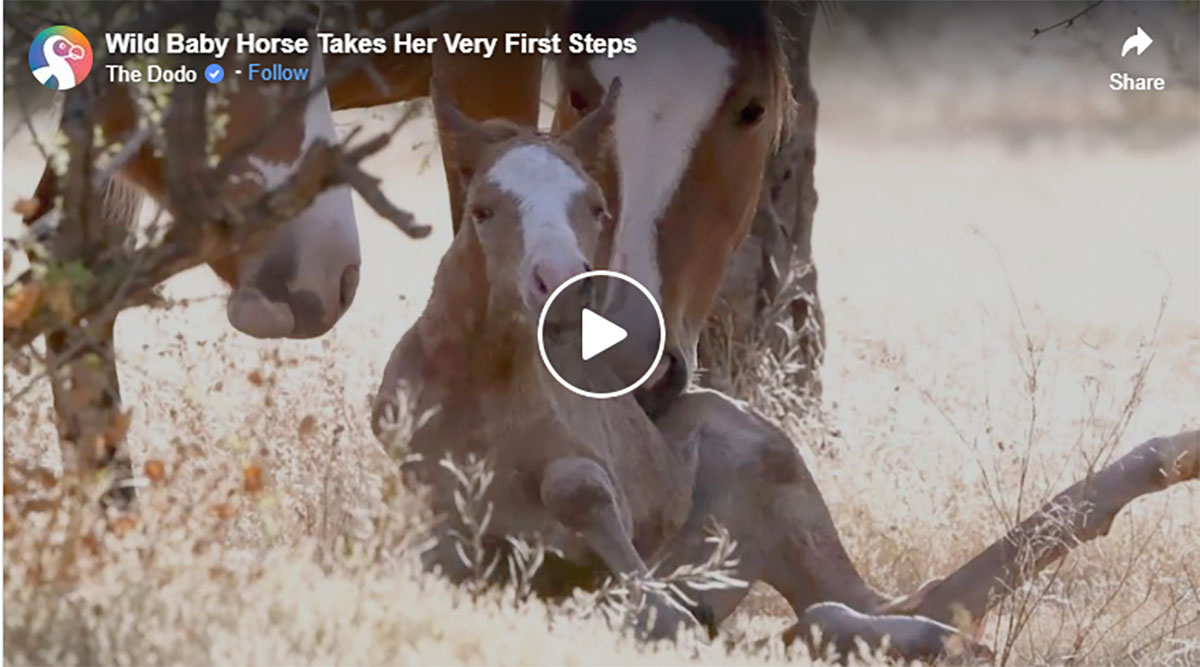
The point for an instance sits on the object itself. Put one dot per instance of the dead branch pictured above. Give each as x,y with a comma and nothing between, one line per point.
1067,22
204,229
367,186
346,66
203,235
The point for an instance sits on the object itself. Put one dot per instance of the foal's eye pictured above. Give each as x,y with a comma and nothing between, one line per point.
480,214
751,114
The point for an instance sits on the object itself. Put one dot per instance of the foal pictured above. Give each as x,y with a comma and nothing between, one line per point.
589,477
597,479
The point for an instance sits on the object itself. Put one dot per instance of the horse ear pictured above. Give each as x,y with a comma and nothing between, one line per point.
589,137
467,138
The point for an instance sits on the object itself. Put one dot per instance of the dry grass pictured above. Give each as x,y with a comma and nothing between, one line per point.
996,328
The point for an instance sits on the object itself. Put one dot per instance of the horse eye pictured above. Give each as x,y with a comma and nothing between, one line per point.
601,214
751,114
481,214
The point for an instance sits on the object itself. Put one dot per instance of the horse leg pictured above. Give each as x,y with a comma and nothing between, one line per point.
83,378
580,495
753,481
87,403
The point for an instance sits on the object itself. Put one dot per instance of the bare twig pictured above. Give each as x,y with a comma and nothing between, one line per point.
197,237
1067,22
367,186
347,66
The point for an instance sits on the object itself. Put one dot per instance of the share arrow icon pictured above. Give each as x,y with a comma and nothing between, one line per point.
1139,40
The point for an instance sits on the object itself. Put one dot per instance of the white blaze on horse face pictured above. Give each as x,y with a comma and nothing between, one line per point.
543,186
669,90
321,243
333,208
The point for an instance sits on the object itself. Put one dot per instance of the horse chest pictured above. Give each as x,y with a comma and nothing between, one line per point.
519,436
654,476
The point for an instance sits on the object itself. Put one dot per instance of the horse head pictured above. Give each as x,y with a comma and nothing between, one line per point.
705,97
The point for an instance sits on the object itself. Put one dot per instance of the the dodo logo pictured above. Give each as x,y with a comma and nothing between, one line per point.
60,57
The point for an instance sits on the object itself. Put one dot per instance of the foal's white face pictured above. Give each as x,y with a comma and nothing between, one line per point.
538,217
536,213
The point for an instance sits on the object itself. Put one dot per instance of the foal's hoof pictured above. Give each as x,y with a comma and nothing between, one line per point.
909,637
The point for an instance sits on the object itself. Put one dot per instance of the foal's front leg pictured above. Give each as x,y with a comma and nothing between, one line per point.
580,495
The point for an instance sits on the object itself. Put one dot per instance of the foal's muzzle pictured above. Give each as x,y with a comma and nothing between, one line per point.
565,316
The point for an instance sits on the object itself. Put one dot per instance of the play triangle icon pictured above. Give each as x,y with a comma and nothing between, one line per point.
599,334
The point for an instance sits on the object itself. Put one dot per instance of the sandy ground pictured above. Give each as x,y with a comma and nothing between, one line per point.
943,263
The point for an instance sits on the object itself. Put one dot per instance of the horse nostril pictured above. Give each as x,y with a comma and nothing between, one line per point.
586,267
586,290
539,284
349,286
657,398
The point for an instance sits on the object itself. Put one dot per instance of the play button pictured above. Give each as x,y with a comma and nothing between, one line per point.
598,334
601,334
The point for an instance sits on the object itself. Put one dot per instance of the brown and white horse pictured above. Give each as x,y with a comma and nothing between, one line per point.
608,488
705,98
300,281
297,283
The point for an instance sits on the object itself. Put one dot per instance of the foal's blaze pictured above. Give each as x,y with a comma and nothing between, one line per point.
298,282
544,189
536,213
532,219
704,101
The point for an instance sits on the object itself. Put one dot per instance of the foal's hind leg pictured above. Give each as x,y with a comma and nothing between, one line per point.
753,481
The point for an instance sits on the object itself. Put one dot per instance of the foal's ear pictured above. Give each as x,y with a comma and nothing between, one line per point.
589,137
466,137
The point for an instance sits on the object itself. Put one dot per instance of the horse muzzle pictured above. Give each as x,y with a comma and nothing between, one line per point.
275,311
664,385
